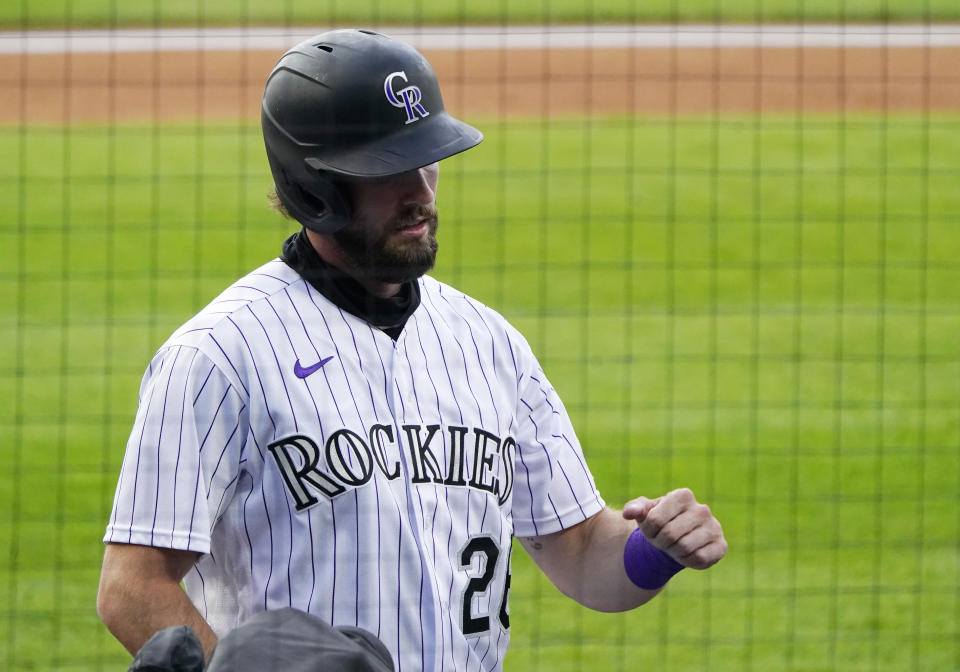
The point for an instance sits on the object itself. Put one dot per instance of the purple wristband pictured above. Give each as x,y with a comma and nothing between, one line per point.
647,566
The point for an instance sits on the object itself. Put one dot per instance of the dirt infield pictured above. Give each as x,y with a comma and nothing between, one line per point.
224,85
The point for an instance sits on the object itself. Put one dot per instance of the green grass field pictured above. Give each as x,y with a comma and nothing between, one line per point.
765,310
18,14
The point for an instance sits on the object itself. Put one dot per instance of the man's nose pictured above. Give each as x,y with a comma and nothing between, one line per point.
420,186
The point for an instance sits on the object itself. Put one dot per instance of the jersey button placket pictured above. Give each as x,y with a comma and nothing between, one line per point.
402,412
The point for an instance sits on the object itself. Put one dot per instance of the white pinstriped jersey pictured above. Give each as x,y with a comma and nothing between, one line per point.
316,463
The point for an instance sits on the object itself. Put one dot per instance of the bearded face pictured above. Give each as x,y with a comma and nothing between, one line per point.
392,238
399,249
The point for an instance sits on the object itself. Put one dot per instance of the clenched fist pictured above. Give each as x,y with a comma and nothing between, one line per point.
680,526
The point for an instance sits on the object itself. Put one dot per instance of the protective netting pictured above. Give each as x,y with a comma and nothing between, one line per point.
733,244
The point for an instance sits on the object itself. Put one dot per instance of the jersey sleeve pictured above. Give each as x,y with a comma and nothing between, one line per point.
554,488
183,456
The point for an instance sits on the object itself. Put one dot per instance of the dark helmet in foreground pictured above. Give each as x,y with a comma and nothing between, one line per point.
351,104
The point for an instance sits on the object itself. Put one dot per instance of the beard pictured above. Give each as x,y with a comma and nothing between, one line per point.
380,253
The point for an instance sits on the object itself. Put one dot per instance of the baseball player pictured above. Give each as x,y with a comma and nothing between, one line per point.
339,433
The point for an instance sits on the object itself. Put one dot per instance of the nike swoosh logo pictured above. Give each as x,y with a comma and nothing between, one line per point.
303,372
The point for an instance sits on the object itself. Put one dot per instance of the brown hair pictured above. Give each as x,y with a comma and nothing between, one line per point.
276,204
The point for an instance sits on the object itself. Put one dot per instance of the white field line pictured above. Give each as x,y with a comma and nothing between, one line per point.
479,37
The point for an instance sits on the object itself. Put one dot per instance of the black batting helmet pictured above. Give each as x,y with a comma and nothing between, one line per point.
351,104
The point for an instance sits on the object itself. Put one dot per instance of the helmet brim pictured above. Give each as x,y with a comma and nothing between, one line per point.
423,142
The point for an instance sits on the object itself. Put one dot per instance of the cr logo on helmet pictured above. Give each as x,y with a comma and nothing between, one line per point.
408,97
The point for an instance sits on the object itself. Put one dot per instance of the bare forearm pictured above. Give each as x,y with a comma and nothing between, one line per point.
140,595
591,571
135,614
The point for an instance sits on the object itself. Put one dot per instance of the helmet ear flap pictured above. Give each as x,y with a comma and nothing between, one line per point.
321,205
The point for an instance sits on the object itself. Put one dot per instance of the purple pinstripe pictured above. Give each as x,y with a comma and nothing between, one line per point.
246,527
193,506
266,335
205,381
133,506
223,452
266,404
206,435
356,407
176,468
219,508
202,592
333,398
296,425
166,393
463,356
373,338
230,361
267,275
446,367
416,399
493,355
436,506
313,400
266,513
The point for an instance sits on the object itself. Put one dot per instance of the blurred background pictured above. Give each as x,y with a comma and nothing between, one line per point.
729,228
